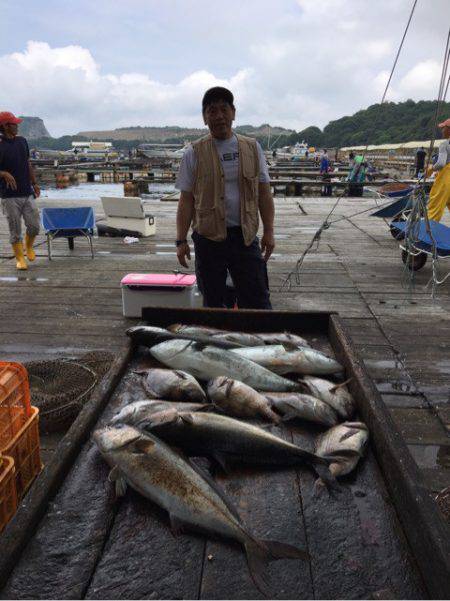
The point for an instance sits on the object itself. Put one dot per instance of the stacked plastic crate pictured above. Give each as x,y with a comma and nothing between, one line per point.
20,460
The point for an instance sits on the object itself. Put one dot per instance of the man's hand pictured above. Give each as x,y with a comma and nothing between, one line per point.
36,189
9,179
183,253
267,244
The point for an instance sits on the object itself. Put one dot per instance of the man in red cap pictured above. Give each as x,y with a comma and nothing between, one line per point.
440,192
18,188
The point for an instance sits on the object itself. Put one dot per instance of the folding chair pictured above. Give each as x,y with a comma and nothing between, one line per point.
68,223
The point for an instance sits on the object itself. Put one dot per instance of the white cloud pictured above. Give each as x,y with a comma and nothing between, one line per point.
312,63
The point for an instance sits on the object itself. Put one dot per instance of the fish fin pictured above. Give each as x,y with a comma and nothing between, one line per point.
188,418
279,550
340,385
166,416
349,434
221,460
327,477
289,346
257,560
115,475
182,374
229,386
176,525
143,445
121,487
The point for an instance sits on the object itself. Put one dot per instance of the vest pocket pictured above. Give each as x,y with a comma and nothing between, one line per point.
206,221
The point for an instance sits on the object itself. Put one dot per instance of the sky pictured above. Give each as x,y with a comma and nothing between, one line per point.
104,64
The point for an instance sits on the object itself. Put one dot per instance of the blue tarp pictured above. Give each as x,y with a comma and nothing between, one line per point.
422,239
68,222
394,208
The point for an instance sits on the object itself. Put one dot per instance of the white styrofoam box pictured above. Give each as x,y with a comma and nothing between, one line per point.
158,290
127,213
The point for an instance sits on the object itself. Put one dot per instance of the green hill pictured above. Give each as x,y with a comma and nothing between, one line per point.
378,124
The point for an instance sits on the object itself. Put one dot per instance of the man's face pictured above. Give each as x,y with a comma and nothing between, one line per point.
10,130
219,117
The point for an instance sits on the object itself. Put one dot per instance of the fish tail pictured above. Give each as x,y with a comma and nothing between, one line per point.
257,559
260,552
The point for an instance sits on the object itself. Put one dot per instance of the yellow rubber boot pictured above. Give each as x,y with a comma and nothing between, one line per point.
31,255
20,259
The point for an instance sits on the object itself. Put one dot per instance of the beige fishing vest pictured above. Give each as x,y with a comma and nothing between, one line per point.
209,190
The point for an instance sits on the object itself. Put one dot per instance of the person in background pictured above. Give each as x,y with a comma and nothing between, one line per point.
18,189
440,191
324,162
420,160
225,184
325,168
274,153
351,159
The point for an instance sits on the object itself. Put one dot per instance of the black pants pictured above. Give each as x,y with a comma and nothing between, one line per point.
246,266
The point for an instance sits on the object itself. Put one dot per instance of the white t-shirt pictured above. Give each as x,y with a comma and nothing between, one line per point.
228,151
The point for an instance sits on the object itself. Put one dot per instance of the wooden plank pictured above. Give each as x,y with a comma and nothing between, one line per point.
34,507
269,504
431,542
354,539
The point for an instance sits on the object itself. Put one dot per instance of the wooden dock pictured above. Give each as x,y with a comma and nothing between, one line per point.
73,304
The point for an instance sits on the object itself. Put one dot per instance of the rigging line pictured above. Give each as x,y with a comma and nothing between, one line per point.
399,50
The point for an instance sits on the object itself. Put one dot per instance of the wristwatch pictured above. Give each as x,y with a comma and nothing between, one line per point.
180,242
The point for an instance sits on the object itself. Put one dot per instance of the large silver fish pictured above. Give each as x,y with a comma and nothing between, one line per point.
140,411
237,399
283,359
174,385
240,338
343,445
208,362
150,335
229,440
295,405
191,499
335,395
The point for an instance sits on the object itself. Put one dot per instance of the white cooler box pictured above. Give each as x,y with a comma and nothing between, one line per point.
158,290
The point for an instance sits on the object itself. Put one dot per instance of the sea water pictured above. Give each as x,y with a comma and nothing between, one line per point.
95,190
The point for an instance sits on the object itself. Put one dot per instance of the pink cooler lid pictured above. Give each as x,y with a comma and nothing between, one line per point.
158,279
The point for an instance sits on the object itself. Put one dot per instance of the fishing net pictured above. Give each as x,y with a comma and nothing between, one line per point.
61,387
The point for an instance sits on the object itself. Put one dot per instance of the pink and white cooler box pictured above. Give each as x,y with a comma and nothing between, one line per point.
158,290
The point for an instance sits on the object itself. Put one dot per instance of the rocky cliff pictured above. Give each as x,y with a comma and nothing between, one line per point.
32,128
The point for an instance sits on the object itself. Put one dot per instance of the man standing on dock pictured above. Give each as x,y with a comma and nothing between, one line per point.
224,183
18,188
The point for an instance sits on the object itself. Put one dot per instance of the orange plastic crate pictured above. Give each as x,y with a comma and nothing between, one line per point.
24,449
8,495
15,405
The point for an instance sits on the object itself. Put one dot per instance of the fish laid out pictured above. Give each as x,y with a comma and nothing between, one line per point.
237,399
229,440
192,500
140,411
343,445
284,359
150,335
209,362
175,385
295,405
335,395
240,338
